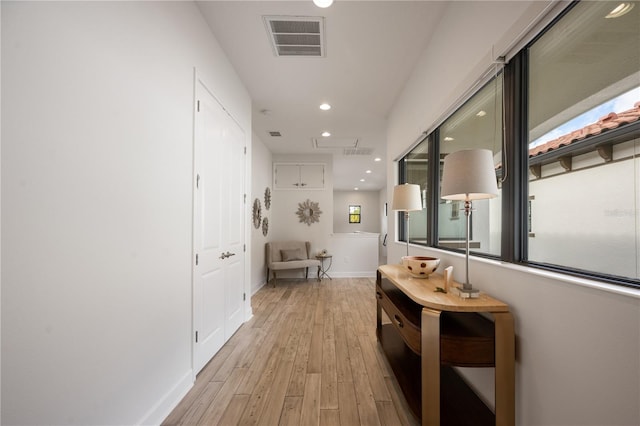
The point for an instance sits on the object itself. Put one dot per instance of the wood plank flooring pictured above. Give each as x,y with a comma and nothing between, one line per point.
309,356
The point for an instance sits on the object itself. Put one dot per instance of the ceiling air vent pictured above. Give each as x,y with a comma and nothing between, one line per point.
296,35
275,134
333,143
357,151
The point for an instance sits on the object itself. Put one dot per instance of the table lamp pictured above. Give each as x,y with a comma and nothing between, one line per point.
406,198
469,175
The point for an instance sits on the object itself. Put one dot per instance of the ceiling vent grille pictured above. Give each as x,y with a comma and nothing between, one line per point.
334,143
275,134
296,35
357,151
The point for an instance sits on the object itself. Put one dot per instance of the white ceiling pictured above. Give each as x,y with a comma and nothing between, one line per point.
371,49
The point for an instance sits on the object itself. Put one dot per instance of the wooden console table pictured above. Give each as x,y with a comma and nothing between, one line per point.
431,332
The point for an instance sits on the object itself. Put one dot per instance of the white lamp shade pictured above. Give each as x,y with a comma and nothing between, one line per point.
469,175
406,197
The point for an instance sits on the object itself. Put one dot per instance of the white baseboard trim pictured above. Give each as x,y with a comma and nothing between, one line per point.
365,274
255,290
166,404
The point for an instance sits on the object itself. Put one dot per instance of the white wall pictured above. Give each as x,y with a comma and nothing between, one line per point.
369,202
97,117
286,224
355,247
354,255
262,167
578,342
573,231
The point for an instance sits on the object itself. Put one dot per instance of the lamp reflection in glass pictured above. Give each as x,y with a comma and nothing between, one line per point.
406,198
469,175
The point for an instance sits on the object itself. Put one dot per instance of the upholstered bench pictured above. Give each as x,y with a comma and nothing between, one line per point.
284,255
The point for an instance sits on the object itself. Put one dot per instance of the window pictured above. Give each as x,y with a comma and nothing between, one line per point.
569,169
414,168
477,124
584,171
354,214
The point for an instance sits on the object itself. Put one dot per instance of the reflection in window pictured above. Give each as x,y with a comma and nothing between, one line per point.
477,124
415,169
584,168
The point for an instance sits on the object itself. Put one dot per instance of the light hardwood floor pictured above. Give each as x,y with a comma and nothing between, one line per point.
309,356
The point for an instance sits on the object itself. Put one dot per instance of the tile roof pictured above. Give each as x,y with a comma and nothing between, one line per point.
608,122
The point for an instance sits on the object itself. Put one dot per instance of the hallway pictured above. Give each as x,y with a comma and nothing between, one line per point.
309,356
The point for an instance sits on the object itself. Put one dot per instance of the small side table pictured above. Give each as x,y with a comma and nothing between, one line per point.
323,269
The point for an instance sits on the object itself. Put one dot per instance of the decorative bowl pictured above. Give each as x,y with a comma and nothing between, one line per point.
420,266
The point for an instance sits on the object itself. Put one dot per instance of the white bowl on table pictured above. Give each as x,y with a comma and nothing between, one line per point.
420,266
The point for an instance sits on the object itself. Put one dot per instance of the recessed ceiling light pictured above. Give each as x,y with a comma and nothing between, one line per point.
481,113
325,107
621,9
377,159
323,3
361,180
326,134
356,188
448,139
368,171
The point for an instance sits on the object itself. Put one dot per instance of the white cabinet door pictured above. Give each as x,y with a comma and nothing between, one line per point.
287,176
312,176
298,176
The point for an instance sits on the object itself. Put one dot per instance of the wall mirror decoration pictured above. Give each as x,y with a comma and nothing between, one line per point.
265,226
257,213
309,212
354,214
267,198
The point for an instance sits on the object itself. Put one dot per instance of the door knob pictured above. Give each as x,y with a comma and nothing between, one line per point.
227,254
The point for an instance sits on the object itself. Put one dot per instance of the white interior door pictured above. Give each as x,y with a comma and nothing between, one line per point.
234,226
218,234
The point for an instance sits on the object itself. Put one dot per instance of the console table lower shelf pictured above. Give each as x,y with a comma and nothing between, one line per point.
425,340
459,405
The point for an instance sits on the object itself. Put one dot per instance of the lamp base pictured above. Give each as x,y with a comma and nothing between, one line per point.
471,293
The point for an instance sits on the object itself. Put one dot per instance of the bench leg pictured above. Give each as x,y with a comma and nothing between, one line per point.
319,274
274,279
306,273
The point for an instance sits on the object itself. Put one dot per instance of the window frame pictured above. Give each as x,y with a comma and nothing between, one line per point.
352,215
515,185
